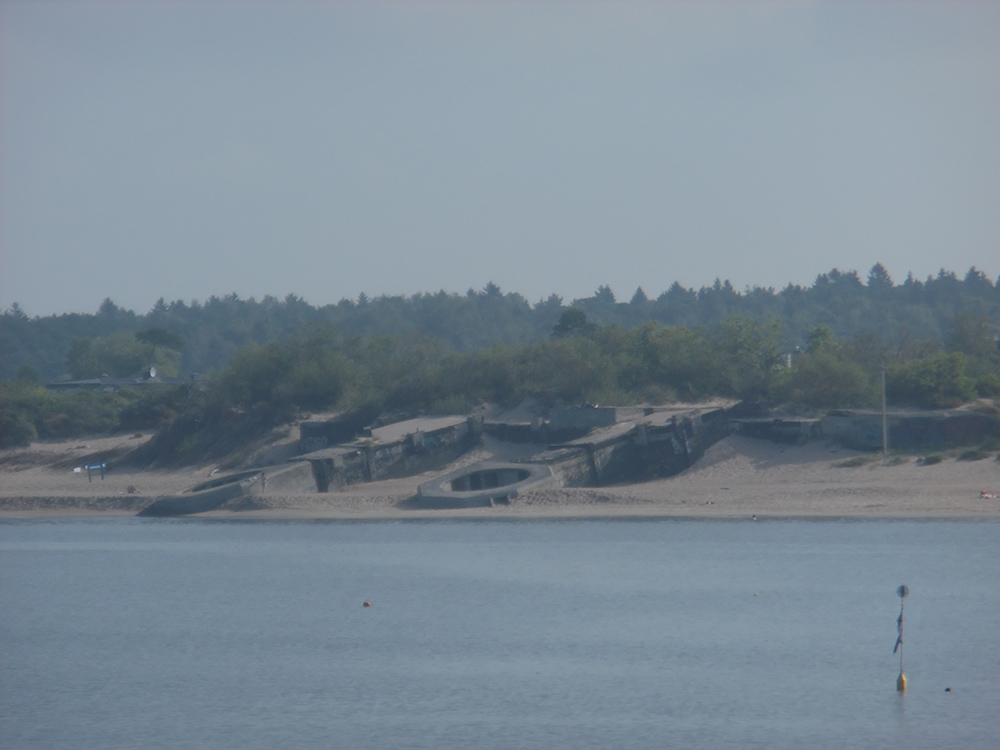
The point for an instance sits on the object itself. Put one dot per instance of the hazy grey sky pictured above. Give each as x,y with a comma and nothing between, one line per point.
184,149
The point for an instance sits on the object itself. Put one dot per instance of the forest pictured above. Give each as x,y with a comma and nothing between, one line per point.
250,365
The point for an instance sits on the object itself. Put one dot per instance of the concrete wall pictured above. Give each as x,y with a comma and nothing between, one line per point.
571,465
781,430
522,432
294,478
339,468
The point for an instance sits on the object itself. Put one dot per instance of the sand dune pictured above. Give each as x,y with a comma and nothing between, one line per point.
738,477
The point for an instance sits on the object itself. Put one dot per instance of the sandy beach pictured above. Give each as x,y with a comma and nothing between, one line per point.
737,478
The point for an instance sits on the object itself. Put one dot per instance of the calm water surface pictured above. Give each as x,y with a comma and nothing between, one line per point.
127,633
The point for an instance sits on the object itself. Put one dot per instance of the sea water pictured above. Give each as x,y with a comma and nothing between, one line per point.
143,633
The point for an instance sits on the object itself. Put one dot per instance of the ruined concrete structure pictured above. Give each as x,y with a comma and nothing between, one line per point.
646,444
586,446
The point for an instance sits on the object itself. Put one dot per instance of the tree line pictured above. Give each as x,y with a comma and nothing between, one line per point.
81,345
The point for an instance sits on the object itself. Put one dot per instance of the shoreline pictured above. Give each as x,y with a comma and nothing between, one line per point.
569,515
736,479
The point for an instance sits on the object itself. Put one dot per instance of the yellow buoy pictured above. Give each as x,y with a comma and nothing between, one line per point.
901,683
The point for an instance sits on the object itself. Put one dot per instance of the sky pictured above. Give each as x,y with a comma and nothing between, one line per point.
326,149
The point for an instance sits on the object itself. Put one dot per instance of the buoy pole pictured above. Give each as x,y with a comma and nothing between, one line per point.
902,592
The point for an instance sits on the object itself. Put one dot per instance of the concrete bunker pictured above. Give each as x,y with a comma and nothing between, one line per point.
484,484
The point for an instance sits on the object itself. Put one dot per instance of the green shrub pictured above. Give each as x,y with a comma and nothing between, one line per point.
988,385
16,431
990,443
451,405
935,382
934,458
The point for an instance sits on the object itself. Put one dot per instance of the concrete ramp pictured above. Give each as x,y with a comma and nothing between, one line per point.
293,478
195,502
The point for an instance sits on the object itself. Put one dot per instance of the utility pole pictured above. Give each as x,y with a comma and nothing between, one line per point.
885,430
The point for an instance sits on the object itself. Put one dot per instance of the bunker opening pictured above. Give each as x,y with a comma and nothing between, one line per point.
488,479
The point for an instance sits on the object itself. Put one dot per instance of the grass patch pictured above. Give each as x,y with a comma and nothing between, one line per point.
934,458
973,455
855,461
